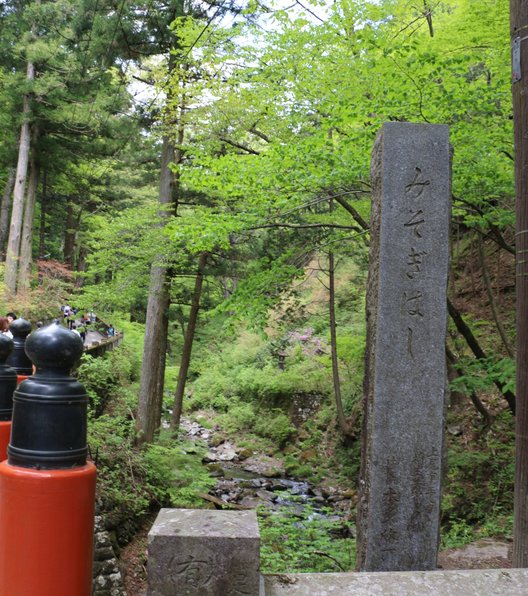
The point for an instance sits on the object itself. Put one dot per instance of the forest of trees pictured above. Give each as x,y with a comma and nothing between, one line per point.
180,166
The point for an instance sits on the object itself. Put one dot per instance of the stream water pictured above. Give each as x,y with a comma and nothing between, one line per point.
247,482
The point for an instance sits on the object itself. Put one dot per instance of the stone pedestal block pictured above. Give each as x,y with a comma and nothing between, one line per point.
405,372
195,552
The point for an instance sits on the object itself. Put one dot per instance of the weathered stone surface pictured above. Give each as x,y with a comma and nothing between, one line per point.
405,376
485,582
204,553
107,580
497,554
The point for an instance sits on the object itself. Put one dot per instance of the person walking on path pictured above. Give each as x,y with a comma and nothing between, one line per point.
81,329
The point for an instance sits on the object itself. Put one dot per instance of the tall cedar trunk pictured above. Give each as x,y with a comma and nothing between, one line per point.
15,228
153,364
69,234
43,208
155,348
187,345
26,244
343,423
519,25
4,211
81,266
156,324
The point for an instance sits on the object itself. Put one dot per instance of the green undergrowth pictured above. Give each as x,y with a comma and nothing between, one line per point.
478,488
134,481
255,398
304,540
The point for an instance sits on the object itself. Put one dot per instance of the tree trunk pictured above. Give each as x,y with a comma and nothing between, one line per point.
43,208
15,228
187,345
156,325
519,25
428,14
81,266
491,297
343,423
26,244
4,211
153,364
70,234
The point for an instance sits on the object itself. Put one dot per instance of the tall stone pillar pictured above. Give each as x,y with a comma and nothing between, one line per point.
405,376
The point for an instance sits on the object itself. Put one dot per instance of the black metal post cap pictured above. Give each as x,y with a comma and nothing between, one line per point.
50,408
54,347
20,328
8,378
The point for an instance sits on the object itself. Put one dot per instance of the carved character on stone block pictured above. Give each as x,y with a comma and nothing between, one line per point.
417,521
415,222
410,333
414,262
413,303
391,499
194,572
391,469
415,189
239,586
389,534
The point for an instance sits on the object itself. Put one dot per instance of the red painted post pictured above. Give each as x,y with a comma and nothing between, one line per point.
5,433
47,488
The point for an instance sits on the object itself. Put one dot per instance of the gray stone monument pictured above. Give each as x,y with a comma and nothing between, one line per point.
197,552
405,376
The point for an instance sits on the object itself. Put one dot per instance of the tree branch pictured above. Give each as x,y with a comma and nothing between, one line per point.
473,344
239,146
303,226
495,233
487,284
259,134
480,407
357,217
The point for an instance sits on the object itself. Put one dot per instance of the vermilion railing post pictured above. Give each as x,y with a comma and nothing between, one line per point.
47,487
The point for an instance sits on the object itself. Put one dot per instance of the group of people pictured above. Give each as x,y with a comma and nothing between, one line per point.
79,323
5,323
74,322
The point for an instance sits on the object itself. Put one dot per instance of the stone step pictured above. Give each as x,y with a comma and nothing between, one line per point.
475,582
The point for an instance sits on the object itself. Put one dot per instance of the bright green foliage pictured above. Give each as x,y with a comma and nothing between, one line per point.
177,467
104,377
480,375
308,117
304,541
131,481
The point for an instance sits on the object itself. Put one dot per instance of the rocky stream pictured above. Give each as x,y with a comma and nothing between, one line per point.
246,480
